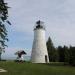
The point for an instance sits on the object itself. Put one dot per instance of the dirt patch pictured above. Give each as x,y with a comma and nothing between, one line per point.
2,70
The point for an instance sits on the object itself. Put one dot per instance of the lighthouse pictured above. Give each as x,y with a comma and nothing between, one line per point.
39,50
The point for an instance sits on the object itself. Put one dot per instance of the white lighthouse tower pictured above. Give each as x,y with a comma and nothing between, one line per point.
39,50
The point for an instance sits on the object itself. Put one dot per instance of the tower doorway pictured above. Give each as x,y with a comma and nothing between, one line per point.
46,60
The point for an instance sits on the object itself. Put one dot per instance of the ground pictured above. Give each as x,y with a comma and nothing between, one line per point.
26,68
2,70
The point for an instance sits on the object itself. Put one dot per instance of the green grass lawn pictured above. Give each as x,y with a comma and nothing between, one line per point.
15,68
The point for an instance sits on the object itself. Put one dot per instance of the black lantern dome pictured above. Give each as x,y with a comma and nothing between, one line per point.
39,25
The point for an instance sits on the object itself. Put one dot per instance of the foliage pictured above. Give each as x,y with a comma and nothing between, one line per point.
62,54
67,55
72,56
3,30
51,50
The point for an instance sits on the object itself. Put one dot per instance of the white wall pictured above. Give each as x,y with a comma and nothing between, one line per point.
39,49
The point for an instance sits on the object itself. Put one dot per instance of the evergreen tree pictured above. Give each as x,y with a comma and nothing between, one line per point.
51,50
61,53
66,54
72,56
3,31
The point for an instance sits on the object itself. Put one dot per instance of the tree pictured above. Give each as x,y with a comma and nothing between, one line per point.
19,55
66,55
72,56
51,50
61,53
3,30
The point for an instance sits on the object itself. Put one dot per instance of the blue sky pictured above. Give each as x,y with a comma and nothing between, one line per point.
58,16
